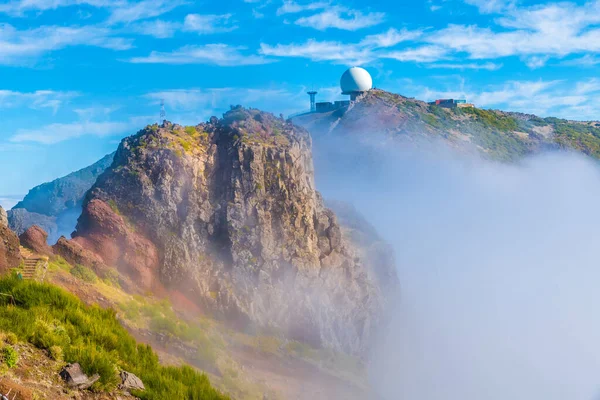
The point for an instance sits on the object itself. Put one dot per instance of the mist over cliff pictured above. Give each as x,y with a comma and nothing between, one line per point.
497,266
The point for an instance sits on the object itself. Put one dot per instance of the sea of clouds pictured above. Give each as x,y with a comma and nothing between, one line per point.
499,266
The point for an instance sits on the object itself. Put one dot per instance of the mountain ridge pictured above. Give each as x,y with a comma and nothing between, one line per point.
494,134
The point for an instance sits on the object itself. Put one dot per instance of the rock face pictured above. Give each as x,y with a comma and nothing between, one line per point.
55,206
10,253
227,213
36,239
3,217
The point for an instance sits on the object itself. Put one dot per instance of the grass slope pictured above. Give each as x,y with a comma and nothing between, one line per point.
48,316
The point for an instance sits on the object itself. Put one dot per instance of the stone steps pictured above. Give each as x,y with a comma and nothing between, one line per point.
34,265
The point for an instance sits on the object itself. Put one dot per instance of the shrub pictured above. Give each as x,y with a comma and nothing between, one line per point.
190,130
11,338
60,263
84,273
10,356
111,277
56,353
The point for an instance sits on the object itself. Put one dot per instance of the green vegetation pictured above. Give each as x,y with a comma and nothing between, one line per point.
84,273
111,277
10,356
113,206
490,119
56,353
59,263
11,338
582,137
190,130
47,316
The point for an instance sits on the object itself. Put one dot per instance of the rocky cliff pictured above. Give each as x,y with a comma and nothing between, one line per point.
226,212
3,217
56,205
10,254
492,134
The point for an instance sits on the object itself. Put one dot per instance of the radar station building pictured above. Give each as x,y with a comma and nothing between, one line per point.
354,82
451,103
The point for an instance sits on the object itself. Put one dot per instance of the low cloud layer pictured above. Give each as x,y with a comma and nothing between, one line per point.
498,268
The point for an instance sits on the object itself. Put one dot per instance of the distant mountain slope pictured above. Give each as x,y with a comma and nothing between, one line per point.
56,205
498,135
53,198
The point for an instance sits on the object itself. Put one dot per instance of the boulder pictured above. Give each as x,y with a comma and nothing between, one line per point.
3,217
36,239
75,378
10,253
130,382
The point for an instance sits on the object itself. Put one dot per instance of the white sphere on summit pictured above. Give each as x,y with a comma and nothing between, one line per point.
355,80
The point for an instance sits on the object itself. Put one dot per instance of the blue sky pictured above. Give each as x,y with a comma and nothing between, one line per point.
76,76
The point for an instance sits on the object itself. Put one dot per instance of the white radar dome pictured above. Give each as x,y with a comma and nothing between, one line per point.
356,80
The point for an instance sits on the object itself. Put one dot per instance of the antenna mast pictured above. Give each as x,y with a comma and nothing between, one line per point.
163,112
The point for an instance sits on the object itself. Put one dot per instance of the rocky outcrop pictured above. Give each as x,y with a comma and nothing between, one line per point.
55,206
74,254
10,253
227,213
19,220
36,239
3,217
111,236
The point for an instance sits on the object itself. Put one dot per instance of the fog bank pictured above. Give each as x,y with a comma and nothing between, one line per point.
498,265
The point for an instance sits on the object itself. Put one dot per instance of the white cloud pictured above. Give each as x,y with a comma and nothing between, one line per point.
291,7
535,62
55,133
19,7
36,100
419,54
390,38
89,113
545,98
138,10
206,24
339,53
492,6
489,66
341,18
158,28
586,61
550,30
212,54
190,99
22,46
